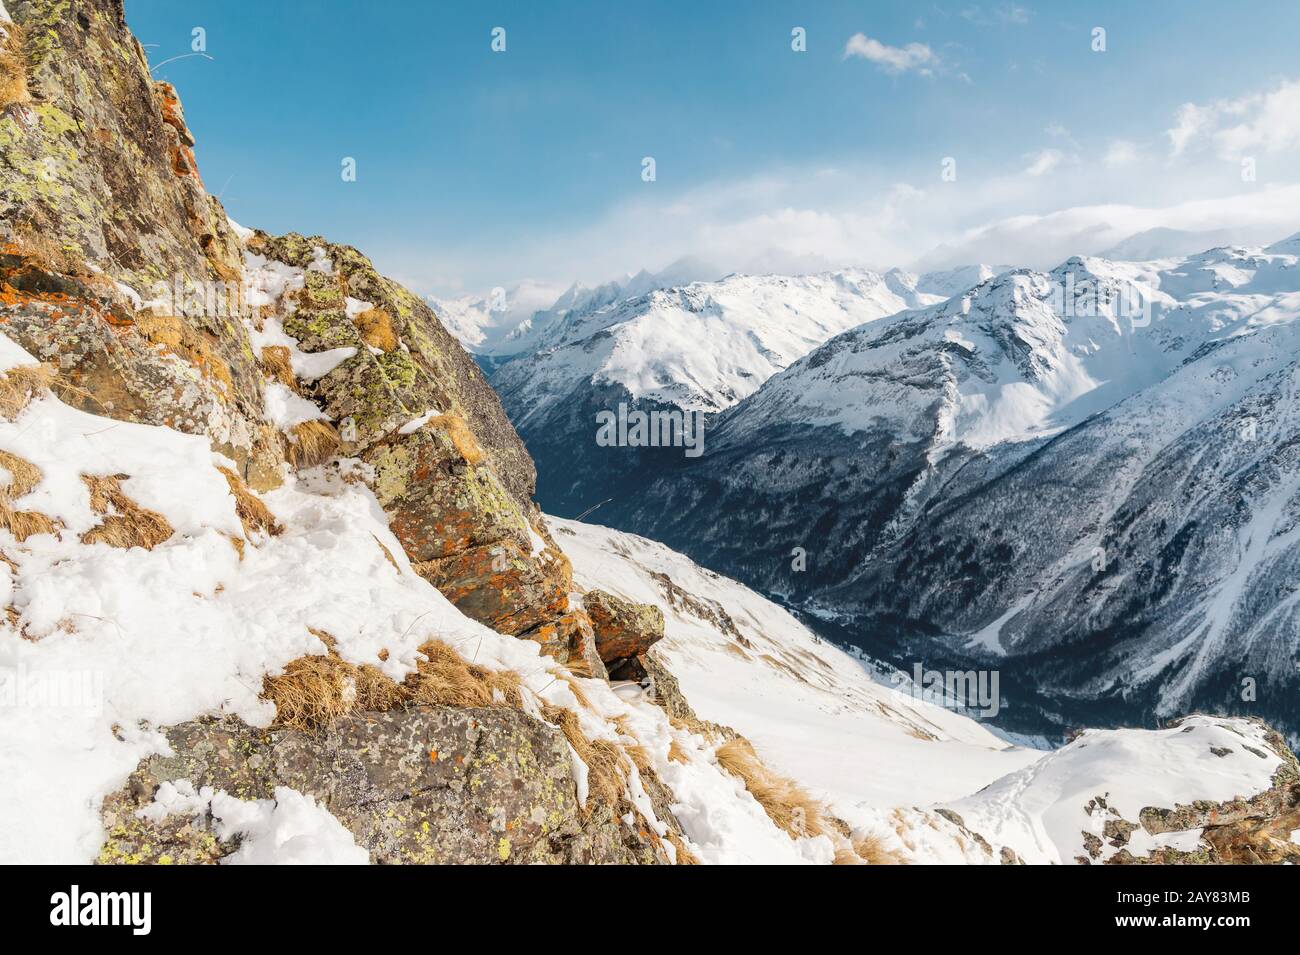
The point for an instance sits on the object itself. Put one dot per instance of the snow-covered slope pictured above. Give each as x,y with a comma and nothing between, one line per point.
1070,805
890,765
1028,354
700,347
747,663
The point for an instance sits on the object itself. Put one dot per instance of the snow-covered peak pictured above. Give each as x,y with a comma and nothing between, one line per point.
950,282
1025,354
754,325
533,315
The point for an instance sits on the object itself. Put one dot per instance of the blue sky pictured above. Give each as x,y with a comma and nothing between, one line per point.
477,169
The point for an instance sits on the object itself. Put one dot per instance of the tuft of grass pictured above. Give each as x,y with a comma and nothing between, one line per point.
23,476
684,855
126,524
19,385
444,678
276,362
13,66
253,514
604,760
311,443
786,803
376,329
462,438
871,850
25,524
315,690
676,753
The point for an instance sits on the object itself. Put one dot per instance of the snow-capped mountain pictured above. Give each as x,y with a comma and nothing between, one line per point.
487,324
950,282
700,347
518,321
1102,457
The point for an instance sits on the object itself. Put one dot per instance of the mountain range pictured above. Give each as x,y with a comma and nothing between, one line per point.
1087,477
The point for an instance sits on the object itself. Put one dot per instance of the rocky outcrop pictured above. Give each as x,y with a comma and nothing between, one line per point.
92,207
1251,831
119,270
443,460
624,631
426,785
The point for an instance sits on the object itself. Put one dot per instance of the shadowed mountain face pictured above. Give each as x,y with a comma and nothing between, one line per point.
1088,479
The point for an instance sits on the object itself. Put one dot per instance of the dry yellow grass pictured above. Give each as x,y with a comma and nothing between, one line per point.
23,476
786,803
376,329
18,386
576,689
314,690
13,67
676,753
25,524
444,678
311,443
253,514
684,855
276,362
126,524
604,759
462,438
871,850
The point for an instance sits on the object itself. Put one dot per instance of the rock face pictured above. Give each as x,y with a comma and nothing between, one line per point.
428,785
444,462
624,631
90,196
102,208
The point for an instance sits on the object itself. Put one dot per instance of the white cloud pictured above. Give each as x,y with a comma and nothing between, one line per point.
1189,123
1266,122
1043,161
1120,152
822,215
892,59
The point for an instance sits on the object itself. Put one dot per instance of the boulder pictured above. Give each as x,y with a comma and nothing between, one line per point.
425,785
624,630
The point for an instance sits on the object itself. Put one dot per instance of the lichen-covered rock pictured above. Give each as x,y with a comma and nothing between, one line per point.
117,268
624,630
95,216
89,162
447,466
426,785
